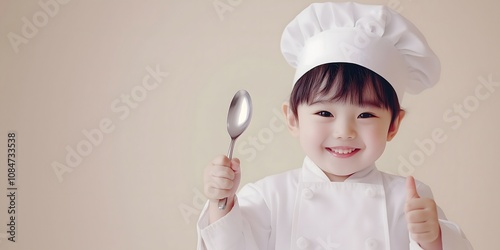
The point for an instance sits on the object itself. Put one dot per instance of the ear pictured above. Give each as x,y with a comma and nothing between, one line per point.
292,122
393,129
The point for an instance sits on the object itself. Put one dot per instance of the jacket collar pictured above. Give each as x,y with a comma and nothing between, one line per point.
312,173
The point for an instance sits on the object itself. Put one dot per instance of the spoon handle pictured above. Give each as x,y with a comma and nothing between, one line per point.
223,202
230,151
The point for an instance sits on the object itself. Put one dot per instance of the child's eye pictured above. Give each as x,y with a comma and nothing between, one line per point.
366,115
324,114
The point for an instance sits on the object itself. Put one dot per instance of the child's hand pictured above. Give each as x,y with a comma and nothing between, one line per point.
422,218
222,178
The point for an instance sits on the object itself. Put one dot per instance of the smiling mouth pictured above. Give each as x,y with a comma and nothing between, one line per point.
342,152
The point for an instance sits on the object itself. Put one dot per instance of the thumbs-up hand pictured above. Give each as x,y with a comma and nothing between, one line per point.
422,218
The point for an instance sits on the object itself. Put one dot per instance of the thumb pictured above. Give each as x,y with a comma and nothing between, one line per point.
235,165
411,188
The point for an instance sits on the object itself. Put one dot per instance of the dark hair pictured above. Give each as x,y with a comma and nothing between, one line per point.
351,81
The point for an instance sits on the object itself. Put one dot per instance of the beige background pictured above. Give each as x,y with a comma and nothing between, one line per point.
139,187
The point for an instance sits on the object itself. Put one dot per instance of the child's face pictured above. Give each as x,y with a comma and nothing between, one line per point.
343,138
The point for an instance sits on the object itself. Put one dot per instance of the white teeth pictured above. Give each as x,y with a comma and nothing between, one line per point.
343,151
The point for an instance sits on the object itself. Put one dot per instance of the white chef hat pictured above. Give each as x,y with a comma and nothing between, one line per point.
372,36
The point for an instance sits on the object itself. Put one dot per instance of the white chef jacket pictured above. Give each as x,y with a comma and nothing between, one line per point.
303,209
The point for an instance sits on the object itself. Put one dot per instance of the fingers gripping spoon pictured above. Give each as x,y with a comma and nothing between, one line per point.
238,119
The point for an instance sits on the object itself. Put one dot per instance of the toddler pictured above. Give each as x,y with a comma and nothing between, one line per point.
353,64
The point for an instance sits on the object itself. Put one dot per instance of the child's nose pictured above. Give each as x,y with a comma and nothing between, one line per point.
343,129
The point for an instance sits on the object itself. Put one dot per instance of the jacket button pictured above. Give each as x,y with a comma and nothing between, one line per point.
371,243
302,243
370,192
307,193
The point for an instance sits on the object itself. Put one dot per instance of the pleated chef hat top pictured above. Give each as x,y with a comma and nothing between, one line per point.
373,36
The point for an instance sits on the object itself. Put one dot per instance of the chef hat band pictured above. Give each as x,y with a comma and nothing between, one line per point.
372,36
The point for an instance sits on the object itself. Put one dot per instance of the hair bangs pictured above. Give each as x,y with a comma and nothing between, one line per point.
344,82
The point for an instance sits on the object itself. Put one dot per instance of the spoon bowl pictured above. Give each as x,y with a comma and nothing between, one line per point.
238,116
238,119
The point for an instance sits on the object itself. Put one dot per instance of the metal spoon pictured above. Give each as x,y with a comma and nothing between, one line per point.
238,119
